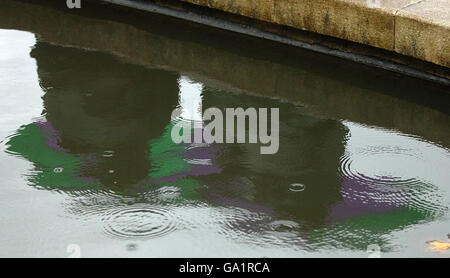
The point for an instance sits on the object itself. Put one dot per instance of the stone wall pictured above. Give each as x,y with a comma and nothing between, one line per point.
417,28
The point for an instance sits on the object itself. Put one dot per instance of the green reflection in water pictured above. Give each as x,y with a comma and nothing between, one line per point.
167,156
96,103
54,169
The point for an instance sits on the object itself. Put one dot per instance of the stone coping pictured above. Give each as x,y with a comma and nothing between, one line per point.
416,28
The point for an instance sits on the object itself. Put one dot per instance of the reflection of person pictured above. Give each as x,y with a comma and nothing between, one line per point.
107,125
98,104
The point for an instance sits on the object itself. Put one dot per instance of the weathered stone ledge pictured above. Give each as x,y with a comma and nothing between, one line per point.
416,28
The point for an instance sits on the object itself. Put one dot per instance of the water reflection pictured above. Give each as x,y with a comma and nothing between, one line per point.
105,141
139,221
329,87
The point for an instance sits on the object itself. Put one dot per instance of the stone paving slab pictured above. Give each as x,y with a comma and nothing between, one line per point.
417,28
423,31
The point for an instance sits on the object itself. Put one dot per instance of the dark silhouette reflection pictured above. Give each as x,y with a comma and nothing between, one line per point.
110,122
105,138
100,106
309,154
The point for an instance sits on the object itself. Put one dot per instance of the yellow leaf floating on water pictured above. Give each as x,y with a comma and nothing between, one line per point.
439,245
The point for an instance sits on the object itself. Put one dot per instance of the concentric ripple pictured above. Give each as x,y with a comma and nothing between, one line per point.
388,186
140,222
297,187
385,171
391,180
284,225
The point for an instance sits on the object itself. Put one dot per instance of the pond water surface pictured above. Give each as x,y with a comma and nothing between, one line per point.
88,164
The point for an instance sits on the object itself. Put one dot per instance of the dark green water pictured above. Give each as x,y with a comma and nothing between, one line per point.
87,157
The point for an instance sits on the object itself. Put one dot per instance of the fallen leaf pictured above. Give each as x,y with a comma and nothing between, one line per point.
439,245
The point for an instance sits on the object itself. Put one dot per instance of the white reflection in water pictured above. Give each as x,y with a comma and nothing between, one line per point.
24,217
190,99
190,102
19,90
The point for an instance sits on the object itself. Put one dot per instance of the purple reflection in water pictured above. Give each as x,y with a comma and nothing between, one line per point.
51,135
360,197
